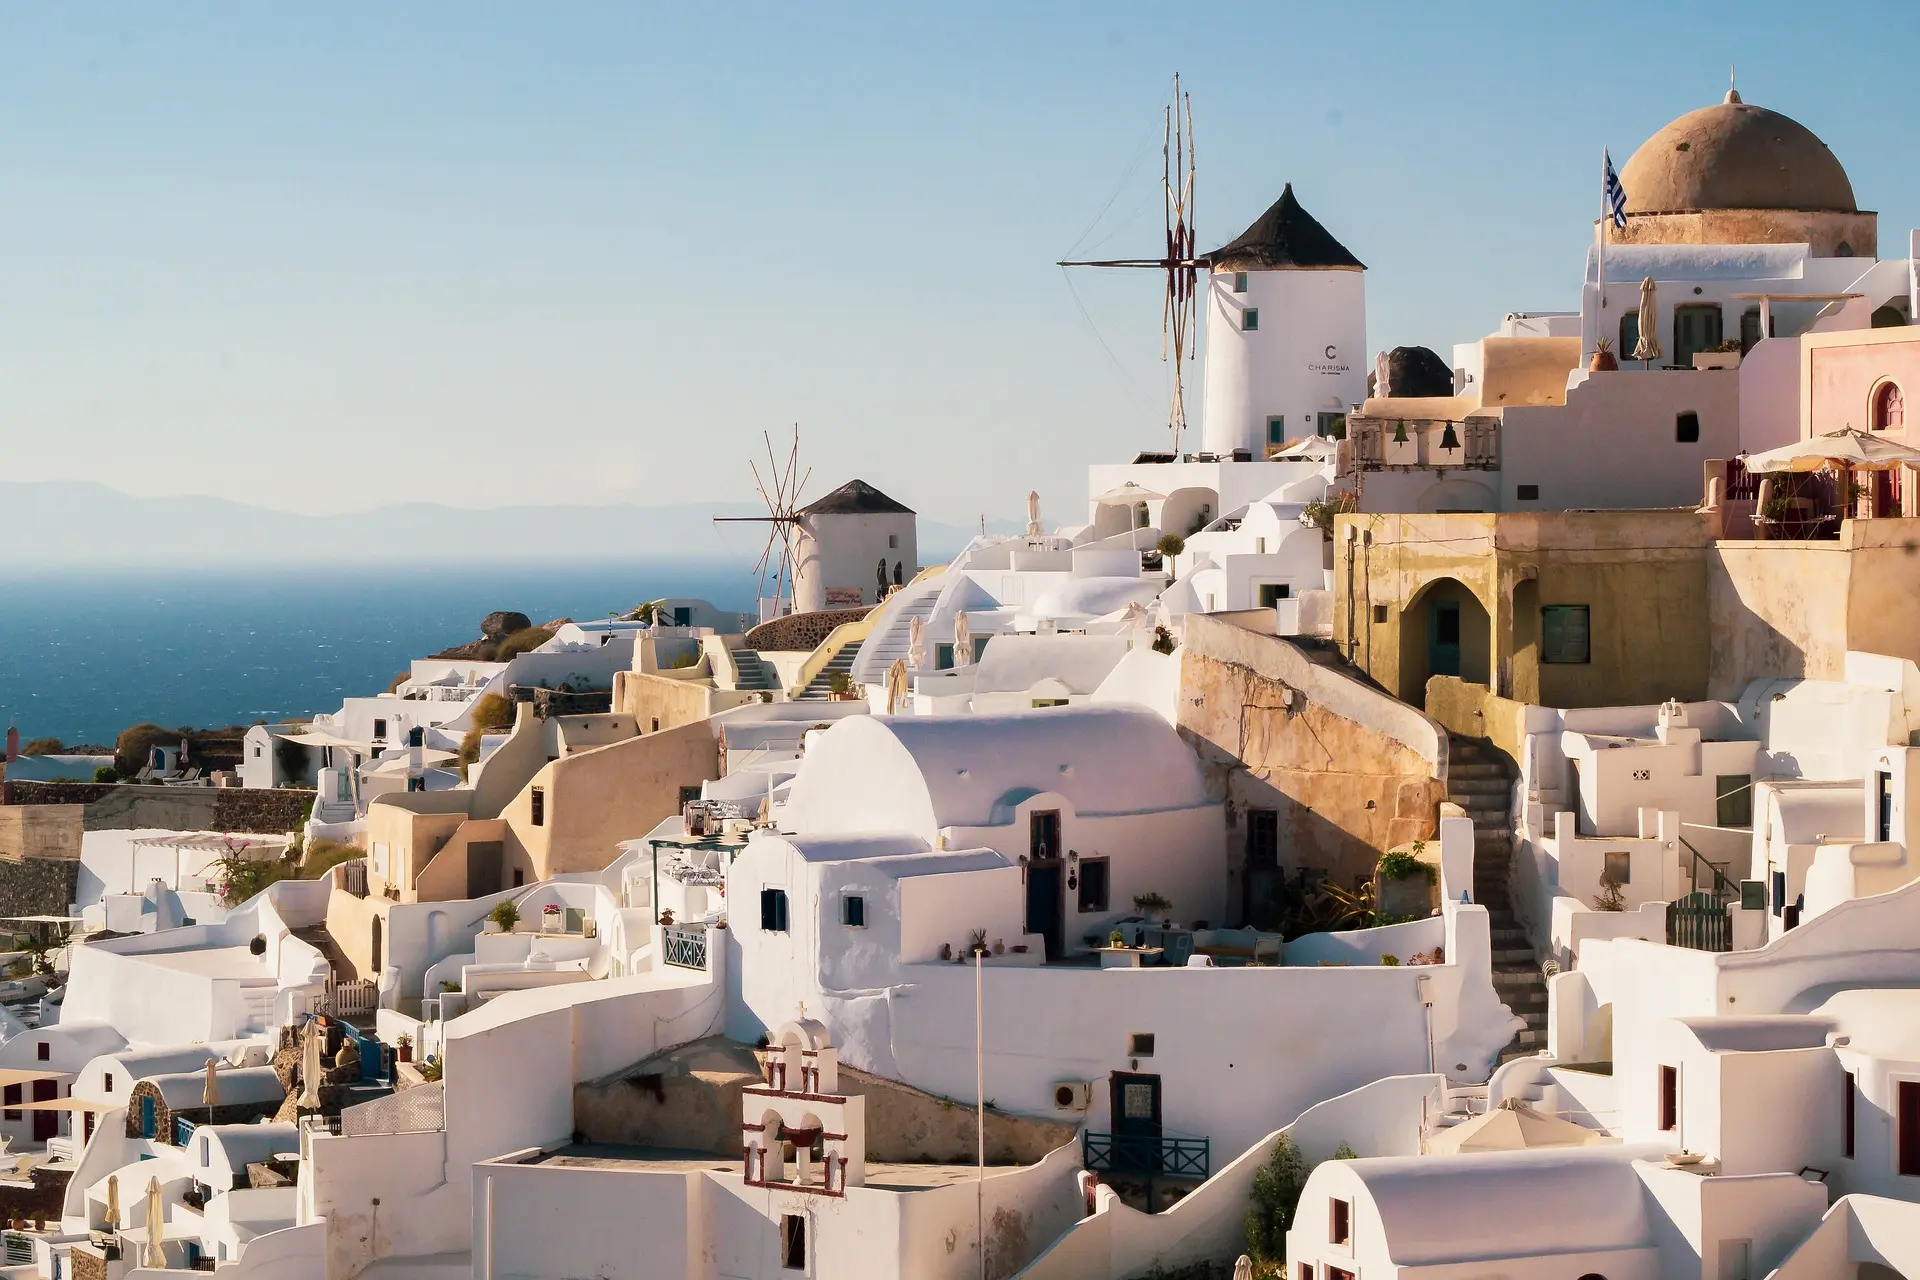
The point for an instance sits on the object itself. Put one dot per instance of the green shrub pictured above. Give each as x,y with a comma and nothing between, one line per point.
1405,864
520,642
43,747
1273,1200
1170,545
106,773
490,715
506,915
323,855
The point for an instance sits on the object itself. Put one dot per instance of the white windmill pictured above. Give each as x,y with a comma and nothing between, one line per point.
780,490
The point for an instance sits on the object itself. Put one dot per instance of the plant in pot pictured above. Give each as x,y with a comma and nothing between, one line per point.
403,1047
550,918
1116,939
1153,903
506,915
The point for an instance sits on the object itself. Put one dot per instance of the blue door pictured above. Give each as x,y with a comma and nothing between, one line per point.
146,1117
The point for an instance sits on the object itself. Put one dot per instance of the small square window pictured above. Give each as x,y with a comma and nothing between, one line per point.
893,541
1272,593
773,910
1094,881
1686,427
1528,493
1617,867
943,657
1140,1044
379,730
1239,282
1753,895
1277,429
1339,1222
689,794
1250,319
43,1051
853,911
1564,634
1379,615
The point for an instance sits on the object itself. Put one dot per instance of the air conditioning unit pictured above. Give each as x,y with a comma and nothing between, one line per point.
1072,1095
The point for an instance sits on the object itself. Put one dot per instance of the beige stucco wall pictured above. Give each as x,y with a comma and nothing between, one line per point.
1349,772
350,925
1825,231
444,876
1795,608
594,799
41,831
1642,575
671,702
412,826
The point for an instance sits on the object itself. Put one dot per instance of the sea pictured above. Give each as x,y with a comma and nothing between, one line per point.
86,652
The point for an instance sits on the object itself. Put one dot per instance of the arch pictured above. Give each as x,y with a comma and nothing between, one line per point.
1888,408
1523,678
804,1033
1111,519
1187,510
1444,630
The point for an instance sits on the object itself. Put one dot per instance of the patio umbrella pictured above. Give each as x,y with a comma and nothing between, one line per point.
113,1201
310,1070
1848,447
1316,448
1648,348
210,1091
151,1252
1512,1126
896,684
1243,1269
917,643
962,641
1131,494
1034,528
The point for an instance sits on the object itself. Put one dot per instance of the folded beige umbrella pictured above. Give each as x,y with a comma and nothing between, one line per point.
1512,1126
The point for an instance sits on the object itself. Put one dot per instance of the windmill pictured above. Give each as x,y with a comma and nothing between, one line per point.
780,490
1182,268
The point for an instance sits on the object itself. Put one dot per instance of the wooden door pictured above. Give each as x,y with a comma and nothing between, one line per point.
1135,1103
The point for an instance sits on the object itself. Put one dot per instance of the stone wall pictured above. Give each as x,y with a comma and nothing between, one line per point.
38,886
1348,771
548,703
130,806
40,831
802,632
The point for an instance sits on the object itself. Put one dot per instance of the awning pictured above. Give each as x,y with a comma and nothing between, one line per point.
23,1075
65,1104
320,738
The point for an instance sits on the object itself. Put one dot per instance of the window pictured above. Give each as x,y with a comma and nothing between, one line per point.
682,615
1686,427
1849,1104
1260,546
1889,409
1336,1273
1277,430
1618,867
1696,328
1331,425
1263,837
1140,1045
1239,282
943,657
893,542
1749,329
793,1242
1779,894
1883,806
1303,1271
656,724
1272,593
773,910
256,751
1250,319
379,730
1669,1098
1339,1222
1094,880
1733,799
1527,493
689,794
1736,1260
853,911
1907,1117
539,806
1753,895
11,1098
1379,615
106,1081
43,1051
519,876
1629,334
1047,702
1043,834
1564,634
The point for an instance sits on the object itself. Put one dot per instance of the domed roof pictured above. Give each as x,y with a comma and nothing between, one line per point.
1734,155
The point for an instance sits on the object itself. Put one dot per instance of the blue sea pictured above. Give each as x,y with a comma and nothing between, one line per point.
84,653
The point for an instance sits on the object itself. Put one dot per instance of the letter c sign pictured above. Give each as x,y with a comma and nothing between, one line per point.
1329,351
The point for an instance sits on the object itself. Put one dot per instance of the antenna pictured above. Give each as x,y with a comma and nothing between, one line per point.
1181,266
780,490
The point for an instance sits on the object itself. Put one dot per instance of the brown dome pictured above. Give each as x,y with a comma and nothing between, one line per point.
1735,156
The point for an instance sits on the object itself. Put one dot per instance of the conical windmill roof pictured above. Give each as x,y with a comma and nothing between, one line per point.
1285,237
855,497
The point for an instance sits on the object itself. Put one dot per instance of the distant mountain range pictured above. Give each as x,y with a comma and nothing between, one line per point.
78,522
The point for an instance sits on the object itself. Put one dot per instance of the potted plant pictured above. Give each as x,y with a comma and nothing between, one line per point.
403,1047
1604,361
1153,903
505,915
550,919
1116,939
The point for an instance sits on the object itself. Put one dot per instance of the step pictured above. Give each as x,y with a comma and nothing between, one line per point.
1518,978
1478,786
1512,955
1473,769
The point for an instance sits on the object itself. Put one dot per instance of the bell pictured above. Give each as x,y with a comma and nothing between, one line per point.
1400,432
1449,439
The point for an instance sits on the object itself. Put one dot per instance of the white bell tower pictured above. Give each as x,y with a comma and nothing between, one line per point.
1286,334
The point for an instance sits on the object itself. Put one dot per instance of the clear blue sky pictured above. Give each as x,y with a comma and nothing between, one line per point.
331,256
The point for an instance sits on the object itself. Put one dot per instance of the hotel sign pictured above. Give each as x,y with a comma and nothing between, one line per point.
1331,365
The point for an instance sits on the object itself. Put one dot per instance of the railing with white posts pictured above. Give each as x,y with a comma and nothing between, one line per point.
684,946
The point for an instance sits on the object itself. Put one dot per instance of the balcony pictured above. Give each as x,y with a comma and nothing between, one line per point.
1146,1156
1405,444
684,946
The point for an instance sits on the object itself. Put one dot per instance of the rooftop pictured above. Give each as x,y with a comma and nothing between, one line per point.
880,1176
855,497
1285,236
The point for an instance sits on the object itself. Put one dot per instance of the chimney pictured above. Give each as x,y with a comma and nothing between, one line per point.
13,744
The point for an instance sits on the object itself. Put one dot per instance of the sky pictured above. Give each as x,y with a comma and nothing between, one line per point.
330,257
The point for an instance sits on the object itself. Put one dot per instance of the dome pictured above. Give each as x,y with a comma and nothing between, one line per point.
1735,156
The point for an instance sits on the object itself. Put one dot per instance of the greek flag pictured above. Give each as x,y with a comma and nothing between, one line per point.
1615,194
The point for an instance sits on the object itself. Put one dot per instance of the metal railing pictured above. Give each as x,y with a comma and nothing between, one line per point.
684,946
1140,1155
183,1131
1719,884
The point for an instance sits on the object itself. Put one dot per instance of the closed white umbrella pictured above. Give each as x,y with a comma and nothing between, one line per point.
210,1091
1243,1269
113,1202
1034,528
1648,347
962,641
917,643
896,684
310,1070
151,1253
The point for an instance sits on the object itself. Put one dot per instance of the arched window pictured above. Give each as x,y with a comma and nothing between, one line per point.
1889,410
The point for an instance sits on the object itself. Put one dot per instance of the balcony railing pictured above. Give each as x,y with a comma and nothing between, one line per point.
183,1131
1138,1155
1409,444
684,946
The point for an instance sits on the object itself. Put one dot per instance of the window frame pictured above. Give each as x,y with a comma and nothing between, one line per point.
1089,902
774,911
1281,591
1732,801
1886,392
1340,1223
793,1240
1686,427
537,806
1667,1099
1250,320
1621,858
1585,612
852,905
1276,429
1240,282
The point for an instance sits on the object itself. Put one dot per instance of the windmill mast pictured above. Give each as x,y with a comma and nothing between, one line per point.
1178,261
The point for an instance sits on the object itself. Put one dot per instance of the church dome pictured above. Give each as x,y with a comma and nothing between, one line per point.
1735,156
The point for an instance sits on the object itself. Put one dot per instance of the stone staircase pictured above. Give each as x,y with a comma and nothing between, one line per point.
820,687
888,640
317,937
751,671
1478,781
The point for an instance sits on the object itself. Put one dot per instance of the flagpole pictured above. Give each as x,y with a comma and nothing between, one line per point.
1600,247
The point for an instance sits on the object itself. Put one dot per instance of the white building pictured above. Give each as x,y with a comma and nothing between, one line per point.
850,545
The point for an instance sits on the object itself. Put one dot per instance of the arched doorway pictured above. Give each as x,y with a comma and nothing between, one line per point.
1444,631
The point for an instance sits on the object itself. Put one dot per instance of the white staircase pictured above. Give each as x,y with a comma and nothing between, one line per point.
888,639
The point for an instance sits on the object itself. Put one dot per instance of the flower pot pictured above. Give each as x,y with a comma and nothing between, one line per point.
404,1053
1603,362
489,925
